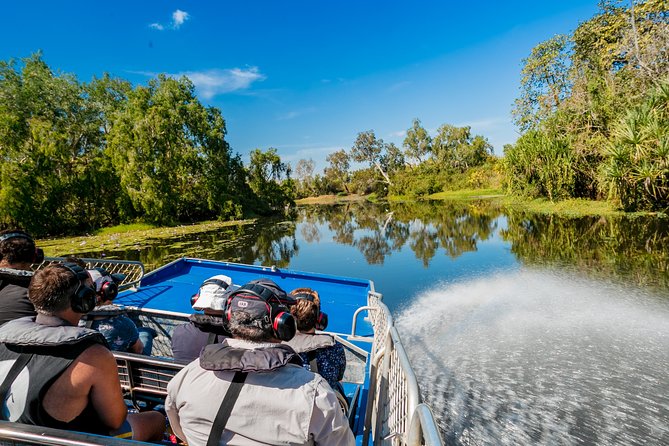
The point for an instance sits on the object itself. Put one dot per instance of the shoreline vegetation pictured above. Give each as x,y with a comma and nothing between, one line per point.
571,208
135,236
593,115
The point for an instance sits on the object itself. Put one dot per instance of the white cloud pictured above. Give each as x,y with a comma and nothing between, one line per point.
210,83
178,18
399,134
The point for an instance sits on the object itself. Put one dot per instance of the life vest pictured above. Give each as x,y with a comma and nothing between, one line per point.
32,356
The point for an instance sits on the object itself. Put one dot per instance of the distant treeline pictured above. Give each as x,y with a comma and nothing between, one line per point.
453,159
79,156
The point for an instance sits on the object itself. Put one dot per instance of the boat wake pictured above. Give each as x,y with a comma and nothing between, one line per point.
536,357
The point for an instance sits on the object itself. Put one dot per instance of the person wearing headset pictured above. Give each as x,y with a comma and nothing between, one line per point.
119,330
319,351
208,327
17,253
251,389
56,374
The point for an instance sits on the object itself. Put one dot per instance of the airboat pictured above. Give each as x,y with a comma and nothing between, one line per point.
383,407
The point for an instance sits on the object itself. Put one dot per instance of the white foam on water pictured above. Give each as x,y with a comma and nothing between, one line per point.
538,357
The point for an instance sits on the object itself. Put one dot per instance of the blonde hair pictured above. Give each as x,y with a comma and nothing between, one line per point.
306,311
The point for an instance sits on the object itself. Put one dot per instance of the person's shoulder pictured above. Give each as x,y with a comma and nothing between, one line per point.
96,351
97,357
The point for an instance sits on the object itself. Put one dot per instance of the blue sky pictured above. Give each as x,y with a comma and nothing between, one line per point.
306,76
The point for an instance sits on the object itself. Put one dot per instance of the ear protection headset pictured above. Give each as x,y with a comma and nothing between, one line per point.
38,257
322,318
108,288
83,300
283,323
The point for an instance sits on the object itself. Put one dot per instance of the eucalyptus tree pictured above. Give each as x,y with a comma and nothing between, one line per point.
304,172
418,143
544,82
367,148
338,172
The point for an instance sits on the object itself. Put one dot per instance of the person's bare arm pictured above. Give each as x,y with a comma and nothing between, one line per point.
137,347
98,367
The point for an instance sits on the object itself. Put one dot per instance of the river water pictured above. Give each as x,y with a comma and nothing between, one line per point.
522,328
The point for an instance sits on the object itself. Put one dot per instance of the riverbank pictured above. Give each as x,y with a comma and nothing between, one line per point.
567,208
126,237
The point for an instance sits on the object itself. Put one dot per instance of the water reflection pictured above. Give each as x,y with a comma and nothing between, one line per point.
426,227
628,249
267,242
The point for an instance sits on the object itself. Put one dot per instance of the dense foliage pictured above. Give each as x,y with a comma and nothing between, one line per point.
77,156
593,108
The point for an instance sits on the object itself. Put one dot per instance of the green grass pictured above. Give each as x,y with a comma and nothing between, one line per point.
120,229
467,194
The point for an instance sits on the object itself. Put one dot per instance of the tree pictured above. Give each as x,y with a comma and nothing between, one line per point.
49,141
417,143
393,159
269,178
544,82
170,154
338,170
367,148
304,172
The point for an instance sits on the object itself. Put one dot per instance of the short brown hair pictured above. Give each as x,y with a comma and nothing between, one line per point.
306,311
19,249
51,288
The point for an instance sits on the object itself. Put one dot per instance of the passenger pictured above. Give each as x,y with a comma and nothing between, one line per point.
268,396
203,329
320,352
17,254
111,320
62,376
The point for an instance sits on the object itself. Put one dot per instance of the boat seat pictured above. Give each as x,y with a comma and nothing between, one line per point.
144,379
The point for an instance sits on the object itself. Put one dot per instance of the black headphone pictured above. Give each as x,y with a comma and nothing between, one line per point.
283,323
322,318
38,257
108,288
84,298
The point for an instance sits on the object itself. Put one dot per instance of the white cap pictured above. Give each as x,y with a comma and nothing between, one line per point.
212,292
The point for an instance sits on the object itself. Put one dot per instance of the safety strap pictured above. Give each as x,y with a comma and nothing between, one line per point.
313,365
225,410
213,338
257,290
6,385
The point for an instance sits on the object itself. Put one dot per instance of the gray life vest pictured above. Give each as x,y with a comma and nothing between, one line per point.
32,356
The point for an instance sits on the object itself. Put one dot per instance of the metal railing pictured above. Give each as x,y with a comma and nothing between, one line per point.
17,434
133,271
395,412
